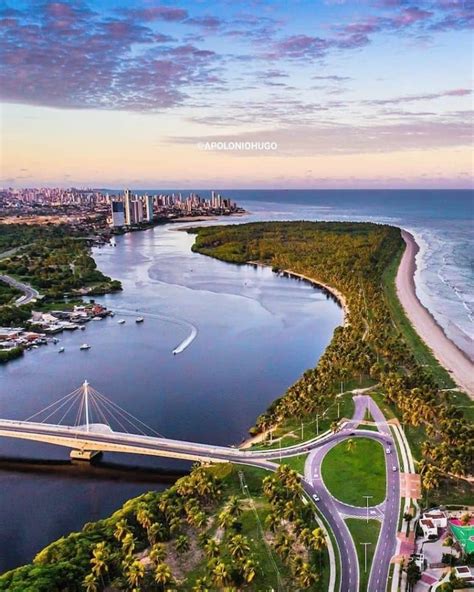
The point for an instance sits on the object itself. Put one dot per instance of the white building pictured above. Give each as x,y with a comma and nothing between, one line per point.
149,200
430,531
439,519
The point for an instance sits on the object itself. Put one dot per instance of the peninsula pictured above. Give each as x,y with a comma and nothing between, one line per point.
229,526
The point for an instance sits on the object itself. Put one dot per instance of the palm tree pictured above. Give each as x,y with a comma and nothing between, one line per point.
306,576
144,516
272,522
233,507
163,575
465,519
182,543
249,570
350,446
212,548
318,540
156,532
201,585
100,556
220,574
449,542
135,573
239,546
128,544
90,583
121,529
157,553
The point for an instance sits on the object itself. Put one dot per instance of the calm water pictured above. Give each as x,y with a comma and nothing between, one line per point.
442,222
256,333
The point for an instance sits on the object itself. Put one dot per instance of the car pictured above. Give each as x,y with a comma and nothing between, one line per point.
394,469
388,450
315,497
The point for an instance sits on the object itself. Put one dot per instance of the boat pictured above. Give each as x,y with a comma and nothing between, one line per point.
82,327
139,320
96,318
121,322
85,346
60,350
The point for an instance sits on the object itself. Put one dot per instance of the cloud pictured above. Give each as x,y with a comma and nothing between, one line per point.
67,56
456,92
315,140
206,22
332,78
156,13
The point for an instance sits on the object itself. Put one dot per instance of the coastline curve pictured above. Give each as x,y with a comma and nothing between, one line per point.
448,354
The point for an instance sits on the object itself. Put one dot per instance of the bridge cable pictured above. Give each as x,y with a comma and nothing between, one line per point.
75,392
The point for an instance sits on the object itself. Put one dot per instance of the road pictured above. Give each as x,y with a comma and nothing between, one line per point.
29,293
101,437
336,511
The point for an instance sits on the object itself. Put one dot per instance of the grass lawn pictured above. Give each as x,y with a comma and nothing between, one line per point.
295,462
290,431
349,475
364,532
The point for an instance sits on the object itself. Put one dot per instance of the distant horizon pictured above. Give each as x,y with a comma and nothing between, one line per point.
221,189
329,93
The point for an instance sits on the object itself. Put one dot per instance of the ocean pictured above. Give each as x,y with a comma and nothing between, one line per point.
442,222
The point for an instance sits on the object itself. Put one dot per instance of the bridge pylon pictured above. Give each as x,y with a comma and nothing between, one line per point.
84,455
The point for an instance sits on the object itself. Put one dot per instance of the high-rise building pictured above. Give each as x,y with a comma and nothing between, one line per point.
149,201
137,211
118,218
127,201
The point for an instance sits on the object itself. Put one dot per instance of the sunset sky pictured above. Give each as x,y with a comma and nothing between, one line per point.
368,93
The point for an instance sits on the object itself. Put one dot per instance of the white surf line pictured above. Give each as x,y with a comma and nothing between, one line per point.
181,346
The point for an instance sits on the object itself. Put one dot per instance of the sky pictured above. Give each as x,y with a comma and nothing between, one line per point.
237,94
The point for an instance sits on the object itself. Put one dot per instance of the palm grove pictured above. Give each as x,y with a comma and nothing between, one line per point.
229,540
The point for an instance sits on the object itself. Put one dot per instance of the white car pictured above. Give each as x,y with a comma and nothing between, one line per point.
316,497
394,469
387,450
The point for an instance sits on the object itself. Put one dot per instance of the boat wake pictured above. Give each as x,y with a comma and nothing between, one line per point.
148,315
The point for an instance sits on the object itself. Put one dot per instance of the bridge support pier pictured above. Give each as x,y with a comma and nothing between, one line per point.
85,455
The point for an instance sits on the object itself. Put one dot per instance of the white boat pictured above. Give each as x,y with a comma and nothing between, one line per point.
121,322
96,318
85,346
139,320
60,350
82,327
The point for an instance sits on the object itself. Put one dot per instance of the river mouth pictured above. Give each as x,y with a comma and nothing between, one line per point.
256,334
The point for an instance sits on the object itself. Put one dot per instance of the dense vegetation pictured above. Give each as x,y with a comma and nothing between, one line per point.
352,258
218,528
52,260
58,266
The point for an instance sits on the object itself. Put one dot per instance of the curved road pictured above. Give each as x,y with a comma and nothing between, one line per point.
101,437
335,511
29,293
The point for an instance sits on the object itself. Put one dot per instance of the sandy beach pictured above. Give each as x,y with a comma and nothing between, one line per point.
446,352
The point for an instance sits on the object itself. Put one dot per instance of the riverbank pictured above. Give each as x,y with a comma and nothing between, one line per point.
446,352
336,294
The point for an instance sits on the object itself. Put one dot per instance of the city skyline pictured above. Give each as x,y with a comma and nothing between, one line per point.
374,94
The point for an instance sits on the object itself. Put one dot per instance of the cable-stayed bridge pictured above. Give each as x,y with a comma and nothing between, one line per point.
88,422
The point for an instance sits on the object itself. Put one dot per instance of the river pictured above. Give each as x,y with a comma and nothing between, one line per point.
254,334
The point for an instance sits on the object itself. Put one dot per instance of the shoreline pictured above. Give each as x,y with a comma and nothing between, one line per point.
448,354
334,292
